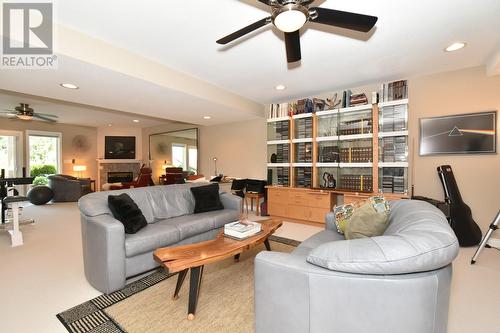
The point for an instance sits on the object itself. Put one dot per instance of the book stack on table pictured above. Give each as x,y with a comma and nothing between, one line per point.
239,230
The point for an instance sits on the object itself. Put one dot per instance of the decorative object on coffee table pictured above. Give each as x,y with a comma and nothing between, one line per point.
196,256
40,195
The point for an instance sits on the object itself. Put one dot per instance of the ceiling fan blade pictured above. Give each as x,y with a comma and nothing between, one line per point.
47,115
347,20
38,116
292,43
244,31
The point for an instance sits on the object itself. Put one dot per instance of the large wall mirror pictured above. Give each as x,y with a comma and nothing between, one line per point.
177,149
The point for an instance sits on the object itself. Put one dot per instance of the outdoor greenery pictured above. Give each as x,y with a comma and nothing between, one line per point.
43,151
40,180
42,170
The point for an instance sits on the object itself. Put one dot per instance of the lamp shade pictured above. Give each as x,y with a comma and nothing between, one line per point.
79,168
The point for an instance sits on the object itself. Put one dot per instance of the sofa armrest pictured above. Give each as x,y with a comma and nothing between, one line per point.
330,222
103,239
231,201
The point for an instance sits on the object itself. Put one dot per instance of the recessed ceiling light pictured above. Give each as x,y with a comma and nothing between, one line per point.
280,87
69,85
109,125
455,46
207,117
135,120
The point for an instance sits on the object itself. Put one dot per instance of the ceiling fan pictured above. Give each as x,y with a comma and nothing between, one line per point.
24,112
291,15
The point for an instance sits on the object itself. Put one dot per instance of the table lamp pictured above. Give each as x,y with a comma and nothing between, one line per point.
80,169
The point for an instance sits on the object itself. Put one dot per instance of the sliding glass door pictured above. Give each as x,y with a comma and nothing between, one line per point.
11,153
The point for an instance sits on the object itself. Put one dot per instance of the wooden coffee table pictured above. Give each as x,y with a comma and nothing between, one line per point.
195,256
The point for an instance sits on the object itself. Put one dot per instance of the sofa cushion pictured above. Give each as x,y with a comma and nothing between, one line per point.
417,239
206,198
155,235
125,210
170,231
322,237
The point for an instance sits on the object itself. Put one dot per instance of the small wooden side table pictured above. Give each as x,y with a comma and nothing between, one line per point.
252,196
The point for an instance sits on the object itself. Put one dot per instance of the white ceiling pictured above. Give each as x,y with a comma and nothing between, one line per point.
408,40
69,113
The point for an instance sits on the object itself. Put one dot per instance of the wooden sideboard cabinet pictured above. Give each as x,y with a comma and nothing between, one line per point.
300,204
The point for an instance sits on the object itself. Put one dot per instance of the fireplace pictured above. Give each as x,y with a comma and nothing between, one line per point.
120,177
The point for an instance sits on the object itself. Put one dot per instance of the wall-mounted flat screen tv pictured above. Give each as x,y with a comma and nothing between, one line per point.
119,147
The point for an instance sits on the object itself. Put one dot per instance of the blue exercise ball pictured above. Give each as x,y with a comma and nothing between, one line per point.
40,195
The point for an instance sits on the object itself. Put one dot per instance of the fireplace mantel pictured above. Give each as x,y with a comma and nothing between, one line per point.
104,161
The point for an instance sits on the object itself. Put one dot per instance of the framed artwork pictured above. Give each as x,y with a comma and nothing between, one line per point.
471,133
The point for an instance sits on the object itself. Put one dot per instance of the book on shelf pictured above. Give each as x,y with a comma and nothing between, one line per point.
394,91
242,230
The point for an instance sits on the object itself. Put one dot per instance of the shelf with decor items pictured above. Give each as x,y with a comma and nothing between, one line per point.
338,154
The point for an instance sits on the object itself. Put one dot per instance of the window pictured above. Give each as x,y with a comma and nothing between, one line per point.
44,148
193,160
179,155
10,152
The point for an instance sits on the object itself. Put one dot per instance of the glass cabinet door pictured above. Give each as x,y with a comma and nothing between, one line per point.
393,180
278,176
393,118
328,177
393,149
328,152
303,177
278,153
278,130
303,128
356,151
327,125
303,152
356,179
356,122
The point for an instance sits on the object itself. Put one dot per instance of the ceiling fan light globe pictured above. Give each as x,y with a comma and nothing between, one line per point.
24,117
290,20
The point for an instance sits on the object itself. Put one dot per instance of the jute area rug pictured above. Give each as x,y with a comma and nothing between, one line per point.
225,303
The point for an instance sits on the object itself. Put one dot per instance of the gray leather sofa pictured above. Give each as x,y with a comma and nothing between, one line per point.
68,188
111,256
398,282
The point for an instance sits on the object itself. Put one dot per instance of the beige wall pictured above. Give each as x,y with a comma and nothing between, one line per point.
240,148
478,176
87,158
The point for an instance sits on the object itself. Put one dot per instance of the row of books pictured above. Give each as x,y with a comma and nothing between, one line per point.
283,175
390,91
303,177
394,91
393,180
394,118
304,152
394,149
362,183
356,155
356,126
304,128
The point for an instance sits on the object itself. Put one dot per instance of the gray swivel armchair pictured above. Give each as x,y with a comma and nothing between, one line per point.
397,282
68,188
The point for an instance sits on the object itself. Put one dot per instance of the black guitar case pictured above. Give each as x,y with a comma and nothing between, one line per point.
461,221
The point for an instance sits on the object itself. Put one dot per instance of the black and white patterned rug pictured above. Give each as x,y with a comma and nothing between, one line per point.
89,317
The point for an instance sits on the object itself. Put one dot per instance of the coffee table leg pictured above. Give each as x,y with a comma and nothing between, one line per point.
180,281
194,290
237,257
266,243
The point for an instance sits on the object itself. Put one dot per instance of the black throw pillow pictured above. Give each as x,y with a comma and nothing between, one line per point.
206,198
125,210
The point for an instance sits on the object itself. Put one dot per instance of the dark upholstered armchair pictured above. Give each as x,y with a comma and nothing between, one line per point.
68,188
144,179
